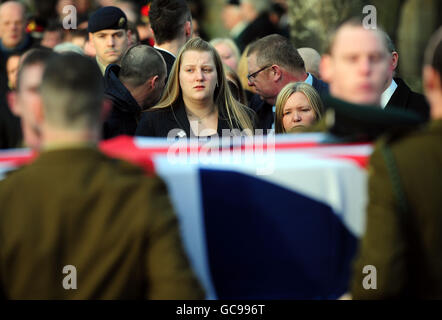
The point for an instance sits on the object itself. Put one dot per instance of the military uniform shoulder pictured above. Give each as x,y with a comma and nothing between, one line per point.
14,172
125,167
126,174
421,133
411,141
11,178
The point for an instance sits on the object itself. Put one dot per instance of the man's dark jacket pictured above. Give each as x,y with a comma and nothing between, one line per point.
169,59
406,99
264,110
126,112
354,122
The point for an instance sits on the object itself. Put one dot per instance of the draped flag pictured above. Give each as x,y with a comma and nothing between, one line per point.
270,218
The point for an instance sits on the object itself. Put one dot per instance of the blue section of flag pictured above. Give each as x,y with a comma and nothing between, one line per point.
267,242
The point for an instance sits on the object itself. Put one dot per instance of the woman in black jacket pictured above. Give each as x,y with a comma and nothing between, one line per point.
197,101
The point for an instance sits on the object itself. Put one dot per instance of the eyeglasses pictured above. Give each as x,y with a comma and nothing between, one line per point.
251,77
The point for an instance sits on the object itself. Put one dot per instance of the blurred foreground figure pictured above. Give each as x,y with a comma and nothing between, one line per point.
404,222
85,226
355,65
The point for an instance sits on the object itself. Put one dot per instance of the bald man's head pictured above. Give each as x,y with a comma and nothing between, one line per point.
311,58
12,23
356,64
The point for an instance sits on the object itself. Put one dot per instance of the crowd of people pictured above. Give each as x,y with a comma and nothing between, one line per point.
141,71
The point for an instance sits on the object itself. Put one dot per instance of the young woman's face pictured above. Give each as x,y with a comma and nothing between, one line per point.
297,112
198,75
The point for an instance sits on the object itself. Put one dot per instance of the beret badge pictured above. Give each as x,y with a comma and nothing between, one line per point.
121,22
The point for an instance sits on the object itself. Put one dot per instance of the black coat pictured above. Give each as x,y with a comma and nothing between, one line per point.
126,112
169,59
10,126
353,122
406,99
264,110
160,122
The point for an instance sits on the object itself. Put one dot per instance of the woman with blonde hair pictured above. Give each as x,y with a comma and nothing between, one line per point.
243,71
298,105
197,100
235,85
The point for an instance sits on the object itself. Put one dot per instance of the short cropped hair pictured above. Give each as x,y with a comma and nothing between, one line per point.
72,92
433,52
311,94
357,22
32,57
276,49
390,45
167,17
139,64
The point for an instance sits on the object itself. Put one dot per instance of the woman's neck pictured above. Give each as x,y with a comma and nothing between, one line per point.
199,108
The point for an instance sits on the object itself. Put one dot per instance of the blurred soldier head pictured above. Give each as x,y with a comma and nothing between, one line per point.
356,63
432,74
26,100
72,100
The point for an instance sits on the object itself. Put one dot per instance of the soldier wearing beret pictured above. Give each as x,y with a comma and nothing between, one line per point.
402,241
109,34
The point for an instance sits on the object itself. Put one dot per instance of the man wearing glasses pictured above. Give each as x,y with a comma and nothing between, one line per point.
274,62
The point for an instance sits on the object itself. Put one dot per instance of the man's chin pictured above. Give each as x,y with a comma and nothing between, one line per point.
364,99
368,100
111,61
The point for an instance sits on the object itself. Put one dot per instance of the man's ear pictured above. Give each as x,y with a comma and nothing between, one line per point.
39,112
394,60
129,38
91,40
326,68
188,29
105,109
277,72
431,80
12,103
154,82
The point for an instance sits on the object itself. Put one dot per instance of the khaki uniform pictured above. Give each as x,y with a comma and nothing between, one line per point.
403,238
77,207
